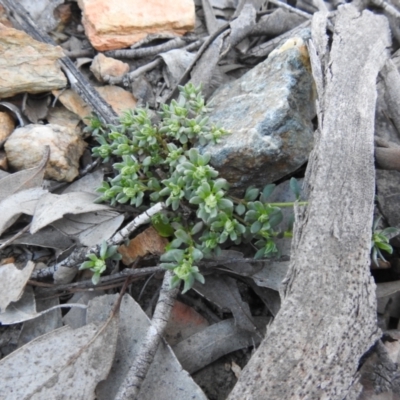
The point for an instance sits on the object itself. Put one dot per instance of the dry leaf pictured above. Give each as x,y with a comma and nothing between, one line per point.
24,202
165,380
79,360
12,283
52,207
223,292
147,242
217,340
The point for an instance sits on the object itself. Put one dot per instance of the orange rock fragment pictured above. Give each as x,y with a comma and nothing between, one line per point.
147,242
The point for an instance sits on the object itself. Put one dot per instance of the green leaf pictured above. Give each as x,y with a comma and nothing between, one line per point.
276,218
189,282
220,183
173,255
384,246
255,227
199,277
175,282
390,231
197,228
86,265
103,249
267,191
183,236
93,257
259,254
163,229
197,254
240,209
195,200
96,278
294,186
225,204
168,265
251,194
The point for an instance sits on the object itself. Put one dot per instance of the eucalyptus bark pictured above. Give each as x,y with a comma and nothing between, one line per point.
327,320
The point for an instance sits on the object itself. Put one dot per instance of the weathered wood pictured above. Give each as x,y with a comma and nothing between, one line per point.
328,315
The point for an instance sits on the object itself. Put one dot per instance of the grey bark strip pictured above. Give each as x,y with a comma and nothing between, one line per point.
328,316
130,388
78,82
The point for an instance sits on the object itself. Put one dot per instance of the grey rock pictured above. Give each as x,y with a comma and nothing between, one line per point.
269,112
25,148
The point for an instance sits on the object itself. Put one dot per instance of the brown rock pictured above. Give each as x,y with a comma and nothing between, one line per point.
113,25
4,18
3,161
103,66
27,65
7,125
25,149
147,242
119,99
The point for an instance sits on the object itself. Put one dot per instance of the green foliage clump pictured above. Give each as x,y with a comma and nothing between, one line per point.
99,264
380,241
157,162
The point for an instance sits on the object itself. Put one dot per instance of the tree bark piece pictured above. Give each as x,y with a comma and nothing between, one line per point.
328,315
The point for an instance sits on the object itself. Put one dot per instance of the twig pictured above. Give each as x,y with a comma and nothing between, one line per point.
16,236
79,255
130,388
105,280
290,8
387,7
148,51
202,49
131,76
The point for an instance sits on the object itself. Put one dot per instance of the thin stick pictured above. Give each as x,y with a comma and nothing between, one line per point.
290,8
16,236
130,388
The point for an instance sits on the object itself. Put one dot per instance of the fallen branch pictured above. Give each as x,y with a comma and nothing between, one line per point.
130,388
327,319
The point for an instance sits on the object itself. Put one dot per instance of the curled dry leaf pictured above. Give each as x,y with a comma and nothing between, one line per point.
12,282
19,203
223,292
53,207
219,339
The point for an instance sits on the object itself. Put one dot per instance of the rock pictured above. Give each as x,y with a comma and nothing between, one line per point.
119,99
7,125
103,66
4,18
25,149
59,115
3,161
111,25
269,112
27,65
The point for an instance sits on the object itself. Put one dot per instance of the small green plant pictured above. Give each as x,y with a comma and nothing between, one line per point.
98,264
157,161
380,241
